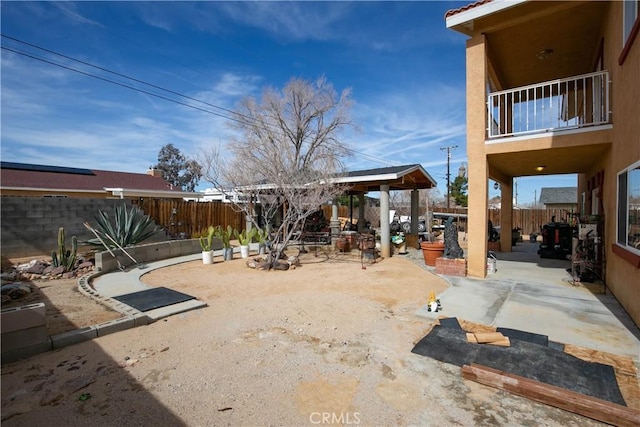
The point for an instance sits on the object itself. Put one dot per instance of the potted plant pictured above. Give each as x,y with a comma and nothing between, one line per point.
262,236
226,235
206,242
245,237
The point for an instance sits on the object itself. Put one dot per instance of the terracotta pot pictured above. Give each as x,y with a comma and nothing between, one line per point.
342,244
431,251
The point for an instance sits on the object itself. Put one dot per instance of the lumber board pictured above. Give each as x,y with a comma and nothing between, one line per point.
587,406
504,342
489,337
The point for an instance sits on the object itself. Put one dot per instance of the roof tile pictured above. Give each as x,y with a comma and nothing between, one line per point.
452,12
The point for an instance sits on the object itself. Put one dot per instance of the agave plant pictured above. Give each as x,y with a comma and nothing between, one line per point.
126,228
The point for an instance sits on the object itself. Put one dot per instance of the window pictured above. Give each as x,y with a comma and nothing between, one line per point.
628,224
629,15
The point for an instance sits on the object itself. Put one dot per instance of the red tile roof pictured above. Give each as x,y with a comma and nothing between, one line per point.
18,175
465,8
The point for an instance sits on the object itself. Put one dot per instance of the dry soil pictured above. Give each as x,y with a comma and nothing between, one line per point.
327,343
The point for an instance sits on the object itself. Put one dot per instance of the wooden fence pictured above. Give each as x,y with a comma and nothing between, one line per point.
182,218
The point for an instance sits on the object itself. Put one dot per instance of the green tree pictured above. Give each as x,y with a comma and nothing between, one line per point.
177,170
459,191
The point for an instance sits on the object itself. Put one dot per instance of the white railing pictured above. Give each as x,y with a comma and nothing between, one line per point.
573,102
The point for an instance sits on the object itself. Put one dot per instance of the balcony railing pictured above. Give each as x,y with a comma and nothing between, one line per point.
570,103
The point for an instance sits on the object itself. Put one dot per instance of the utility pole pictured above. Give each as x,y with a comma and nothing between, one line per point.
453,147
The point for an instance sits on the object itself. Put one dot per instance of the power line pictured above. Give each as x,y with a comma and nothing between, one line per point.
160,96
125,76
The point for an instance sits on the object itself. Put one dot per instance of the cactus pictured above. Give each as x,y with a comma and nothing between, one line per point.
206,239
226,235
245,236
66,257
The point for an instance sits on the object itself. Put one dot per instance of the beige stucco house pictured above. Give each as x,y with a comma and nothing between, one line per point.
553,88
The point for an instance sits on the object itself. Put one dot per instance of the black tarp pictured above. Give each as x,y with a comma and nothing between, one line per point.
526,359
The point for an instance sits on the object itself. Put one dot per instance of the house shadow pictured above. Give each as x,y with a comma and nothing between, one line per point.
79,384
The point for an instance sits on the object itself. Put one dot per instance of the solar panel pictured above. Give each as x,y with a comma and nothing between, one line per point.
45,168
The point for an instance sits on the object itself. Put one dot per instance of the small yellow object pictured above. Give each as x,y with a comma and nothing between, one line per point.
432,297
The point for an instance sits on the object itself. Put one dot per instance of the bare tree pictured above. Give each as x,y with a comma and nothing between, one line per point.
285,156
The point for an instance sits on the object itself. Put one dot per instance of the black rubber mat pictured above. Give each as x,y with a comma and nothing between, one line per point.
533,361
450,322
153,298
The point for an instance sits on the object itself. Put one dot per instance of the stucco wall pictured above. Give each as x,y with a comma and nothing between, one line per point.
623,278
29,225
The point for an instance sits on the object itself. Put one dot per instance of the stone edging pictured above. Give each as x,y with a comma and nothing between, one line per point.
87,290
131,318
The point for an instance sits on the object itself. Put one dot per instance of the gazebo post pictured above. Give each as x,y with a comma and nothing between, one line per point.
335,222
361,219
385,233
415,198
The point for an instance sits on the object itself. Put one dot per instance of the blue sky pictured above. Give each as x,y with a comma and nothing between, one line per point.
405,69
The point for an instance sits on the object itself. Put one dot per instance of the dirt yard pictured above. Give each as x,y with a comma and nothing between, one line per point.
66,308
326,343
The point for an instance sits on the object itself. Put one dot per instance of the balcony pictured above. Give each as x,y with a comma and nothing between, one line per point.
570,103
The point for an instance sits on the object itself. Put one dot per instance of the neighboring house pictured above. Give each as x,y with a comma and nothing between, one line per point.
559,198
20,179
215,194
553,88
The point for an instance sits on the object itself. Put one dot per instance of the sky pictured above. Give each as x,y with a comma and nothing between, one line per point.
405,70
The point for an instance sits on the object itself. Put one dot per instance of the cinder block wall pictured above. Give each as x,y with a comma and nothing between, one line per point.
29,225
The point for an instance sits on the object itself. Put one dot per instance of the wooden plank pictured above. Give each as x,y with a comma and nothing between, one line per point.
587,406
488,337
492,338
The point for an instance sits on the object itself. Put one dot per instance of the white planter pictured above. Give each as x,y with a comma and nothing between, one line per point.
227,254
244,251
262,248
207,257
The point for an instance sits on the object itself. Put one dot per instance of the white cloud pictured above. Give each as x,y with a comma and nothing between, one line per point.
410,126
70,10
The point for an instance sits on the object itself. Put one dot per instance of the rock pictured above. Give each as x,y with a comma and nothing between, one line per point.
9,275
293,260
37,267
281,266
85,265
56,271
16,290
262,266
26,266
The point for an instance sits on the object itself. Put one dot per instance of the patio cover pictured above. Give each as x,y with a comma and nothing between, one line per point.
404,177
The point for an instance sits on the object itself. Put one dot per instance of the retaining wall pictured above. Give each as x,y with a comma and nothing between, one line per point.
105,262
